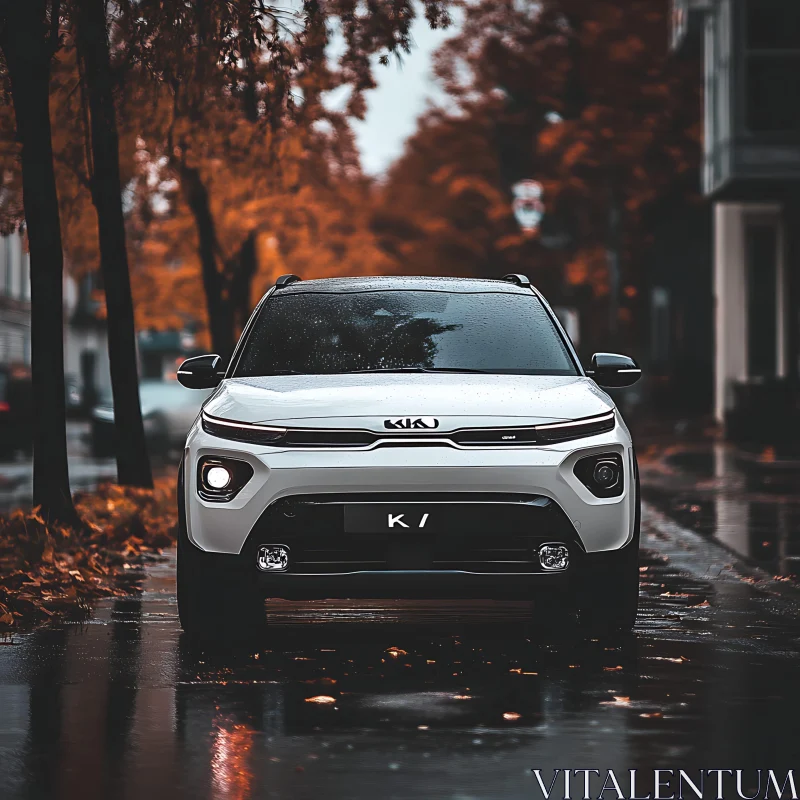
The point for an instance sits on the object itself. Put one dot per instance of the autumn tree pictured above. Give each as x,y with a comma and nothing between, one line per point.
580,96
240,90
89,187
629,133
310,217
92,43
28,40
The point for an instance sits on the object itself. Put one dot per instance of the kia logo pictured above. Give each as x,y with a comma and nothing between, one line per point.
409,423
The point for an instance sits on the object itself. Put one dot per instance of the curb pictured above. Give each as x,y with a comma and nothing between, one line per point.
707,559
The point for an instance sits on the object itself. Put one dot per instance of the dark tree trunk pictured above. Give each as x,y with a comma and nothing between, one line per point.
218,302
133,464
28,48
242,270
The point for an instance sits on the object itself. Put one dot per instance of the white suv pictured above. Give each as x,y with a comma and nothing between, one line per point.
407,437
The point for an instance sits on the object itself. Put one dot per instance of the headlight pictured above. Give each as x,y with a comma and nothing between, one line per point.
221,479
601,474
575,429
218,477
606,474
241,431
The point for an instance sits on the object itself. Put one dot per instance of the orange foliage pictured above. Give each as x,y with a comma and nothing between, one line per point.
48,570
582,96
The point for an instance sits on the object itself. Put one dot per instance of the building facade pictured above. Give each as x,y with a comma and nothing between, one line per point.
86,363
15,301
751,174
85,344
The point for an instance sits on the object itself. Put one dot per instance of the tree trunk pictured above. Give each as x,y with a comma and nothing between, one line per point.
218,302
613,258
133,464
27,47
242,270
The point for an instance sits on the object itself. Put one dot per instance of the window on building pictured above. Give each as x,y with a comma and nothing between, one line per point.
772,66
772,24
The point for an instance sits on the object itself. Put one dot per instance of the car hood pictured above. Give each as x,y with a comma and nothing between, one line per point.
368,400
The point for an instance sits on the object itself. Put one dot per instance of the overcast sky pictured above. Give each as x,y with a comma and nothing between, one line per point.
402,94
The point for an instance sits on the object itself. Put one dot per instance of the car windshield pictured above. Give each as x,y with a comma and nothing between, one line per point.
404,330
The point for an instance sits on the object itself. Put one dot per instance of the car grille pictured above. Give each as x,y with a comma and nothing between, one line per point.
486,534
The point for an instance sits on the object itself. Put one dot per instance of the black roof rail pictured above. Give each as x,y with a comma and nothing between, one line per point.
520,280
285,280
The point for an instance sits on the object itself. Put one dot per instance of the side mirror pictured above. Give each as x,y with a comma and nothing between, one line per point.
612,371
201,372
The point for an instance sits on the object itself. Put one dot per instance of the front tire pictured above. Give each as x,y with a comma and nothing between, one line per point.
218,598
611,607
610,602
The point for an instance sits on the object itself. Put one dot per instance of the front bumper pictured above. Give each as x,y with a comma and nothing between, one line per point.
587,573
409,584
597,524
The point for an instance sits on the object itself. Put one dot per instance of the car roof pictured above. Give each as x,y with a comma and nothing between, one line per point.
402,282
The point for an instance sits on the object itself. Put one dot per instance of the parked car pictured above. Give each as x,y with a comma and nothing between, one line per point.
168,411
407,437
16,410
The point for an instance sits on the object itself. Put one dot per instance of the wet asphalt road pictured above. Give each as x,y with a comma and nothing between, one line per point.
85,471
414,699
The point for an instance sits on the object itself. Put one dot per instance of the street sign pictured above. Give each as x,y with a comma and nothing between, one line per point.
528,206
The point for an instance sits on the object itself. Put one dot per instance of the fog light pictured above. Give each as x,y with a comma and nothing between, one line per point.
273,558
606,474
218,477
553,557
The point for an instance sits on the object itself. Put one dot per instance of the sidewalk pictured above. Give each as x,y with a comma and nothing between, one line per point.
747,502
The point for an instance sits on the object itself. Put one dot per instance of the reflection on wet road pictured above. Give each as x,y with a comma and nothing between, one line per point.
402,700
750,505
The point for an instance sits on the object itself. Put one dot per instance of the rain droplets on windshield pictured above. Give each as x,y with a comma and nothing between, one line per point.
321,333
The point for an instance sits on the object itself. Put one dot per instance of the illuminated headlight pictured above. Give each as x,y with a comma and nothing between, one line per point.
221,479
553,556
218,477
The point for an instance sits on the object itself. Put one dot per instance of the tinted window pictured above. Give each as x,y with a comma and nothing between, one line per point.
773,25
319,333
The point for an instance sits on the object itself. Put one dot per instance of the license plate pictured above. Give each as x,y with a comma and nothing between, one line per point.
390,518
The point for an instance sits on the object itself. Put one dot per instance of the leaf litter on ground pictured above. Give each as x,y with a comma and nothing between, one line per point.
49,570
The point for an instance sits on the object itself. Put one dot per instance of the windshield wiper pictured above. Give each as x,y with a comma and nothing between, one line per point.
458,369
